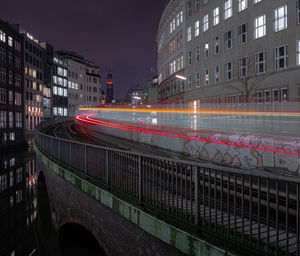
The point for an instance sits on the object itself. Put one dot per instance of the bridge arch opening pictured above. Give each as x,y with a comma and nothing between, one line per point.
44,210
75,240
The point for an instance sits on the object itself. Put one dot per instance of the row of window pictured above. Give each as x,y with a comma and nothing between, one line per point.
60,81
33,73
10,41
12,78
35,62
259,29
11,60
7,119
281,62
32,48
176,22
33,85
60,91
12,98
58,111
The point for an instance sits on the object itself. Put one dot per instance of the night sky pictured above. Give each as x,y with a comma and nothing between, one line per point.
115,34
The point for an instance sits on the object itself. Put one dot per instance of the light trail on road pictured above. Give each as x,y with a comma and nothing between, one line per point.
88,118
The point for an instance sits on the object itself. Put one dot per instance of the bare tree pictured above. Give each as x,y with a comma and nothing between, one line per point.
249,80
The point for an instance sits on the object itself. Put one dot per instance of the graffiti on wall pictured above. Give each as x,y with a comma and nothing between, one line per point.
247,157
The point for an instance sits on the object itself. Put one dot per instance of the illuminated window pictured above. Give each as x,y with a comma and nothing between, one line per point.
216,16
189,34
260,62
11,97
260,26
55,111
2,36
10,119
227,9
65,92
281,57
243,4
197,28
18,99
280,18
55,90
256,1
205,23
10,41
206,50
65,111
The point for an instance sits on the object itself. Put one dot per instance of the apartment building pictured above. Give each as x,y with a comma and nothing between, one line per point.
233,50
33,80
11,88
84,81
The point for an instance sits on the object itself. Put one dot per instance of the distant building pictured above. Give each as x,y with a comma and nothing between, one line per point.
229,51
11,88
84,82
60,86
33,80
109,89
138,95
48,79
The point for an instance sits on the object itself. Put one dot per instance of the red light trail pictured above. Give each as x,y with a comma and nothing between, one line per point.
87,118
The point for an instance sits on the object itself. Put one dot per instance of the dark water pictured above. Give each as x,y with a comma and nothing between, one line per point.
18,204
26,226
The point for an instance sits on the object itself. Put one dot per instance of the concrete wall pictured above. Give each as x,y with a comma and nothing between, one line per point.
120,228
248,158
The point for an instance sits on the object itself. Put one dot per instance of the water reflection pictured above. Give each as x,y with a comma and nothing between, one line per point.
18,204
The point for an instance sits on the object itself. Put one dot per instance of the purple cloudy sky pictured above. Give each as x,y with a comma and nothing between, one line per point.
116,34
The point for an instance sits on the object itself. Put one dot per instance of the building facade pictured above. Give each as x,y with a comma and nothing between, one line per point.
11,88
109,89
33,80
48,79
84,82
60,86
233,50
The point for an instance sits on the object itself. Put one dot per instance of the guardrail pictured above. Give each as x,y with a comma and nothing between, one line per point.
252,211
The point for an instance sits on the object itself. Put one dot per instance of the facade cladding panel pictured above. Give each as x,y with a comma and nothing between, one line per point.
11,88
240,40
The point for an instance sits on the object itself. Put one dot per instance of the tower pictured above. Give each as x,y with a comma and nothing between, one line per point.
109,89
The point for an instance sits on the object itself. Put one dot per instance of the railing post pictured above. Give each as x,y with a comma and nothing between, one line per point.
106,167
140,179
197,196
70,154
85,161
59,158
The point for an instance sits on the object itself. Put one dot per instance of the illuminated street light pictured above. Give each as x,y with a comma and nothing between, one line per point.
136,97
180,77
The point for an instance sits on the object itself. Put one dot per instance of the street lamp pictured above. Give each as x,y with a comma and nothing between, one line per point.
181,77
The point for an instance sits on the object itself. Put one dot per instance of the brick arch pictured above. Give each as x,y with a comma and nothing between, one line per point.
82,218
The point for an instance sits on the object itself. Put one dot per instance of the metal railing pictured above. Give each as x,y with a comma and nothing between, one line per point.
250,210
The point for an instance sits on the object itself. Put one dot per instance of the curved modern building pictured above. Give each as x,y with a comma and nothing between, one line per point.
229,51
